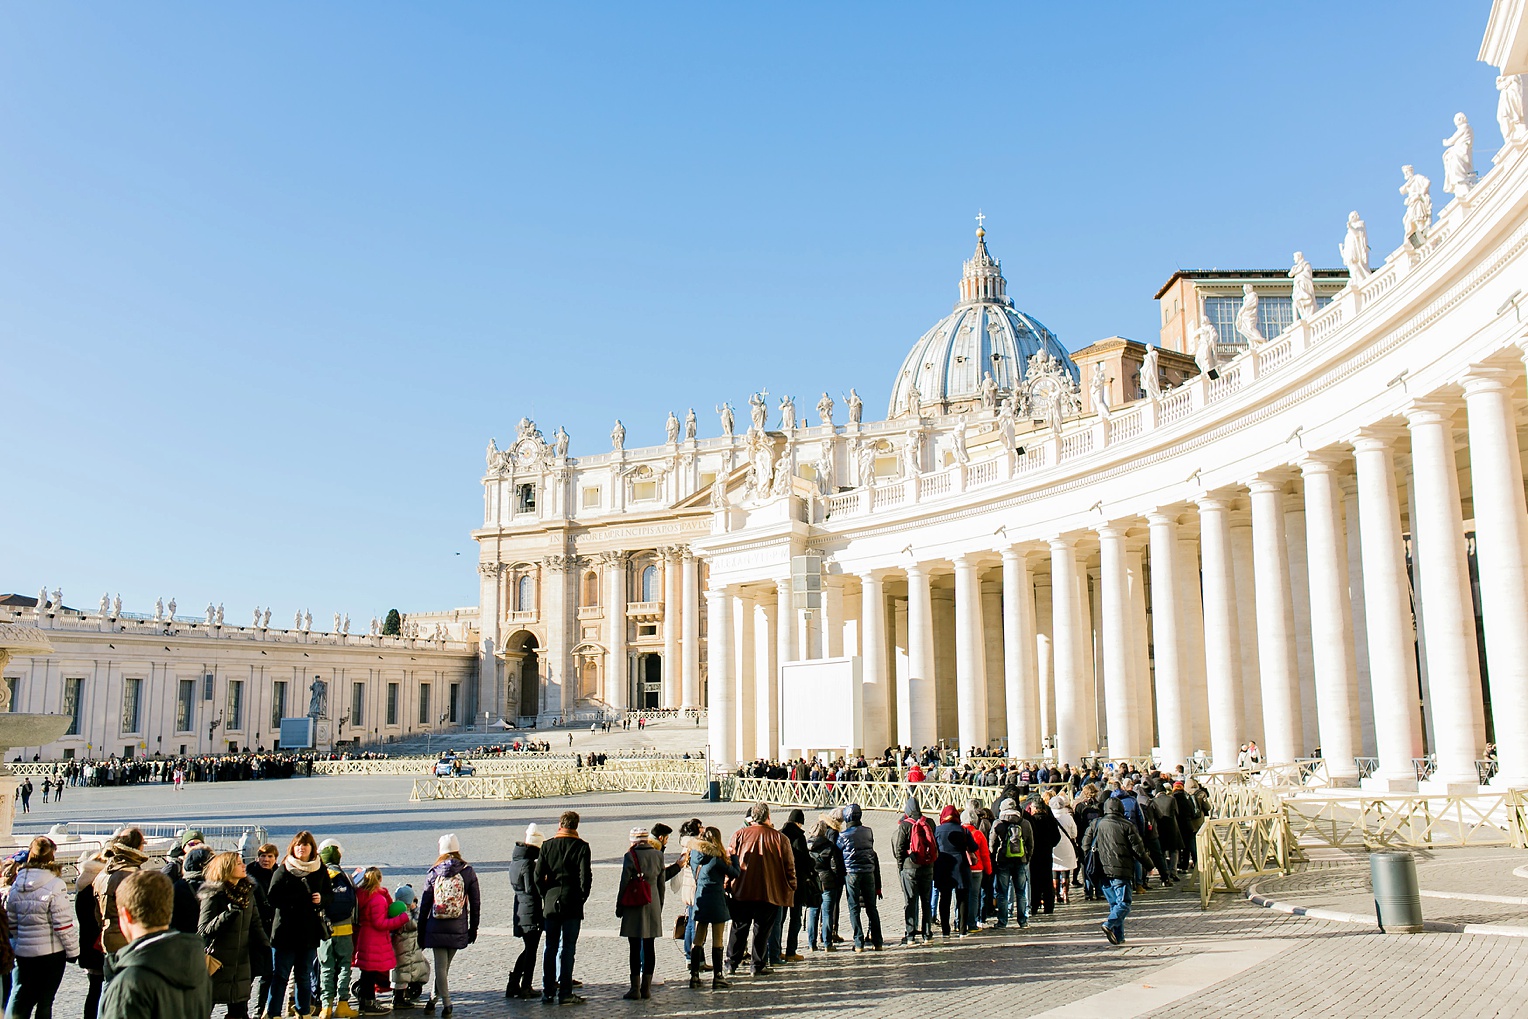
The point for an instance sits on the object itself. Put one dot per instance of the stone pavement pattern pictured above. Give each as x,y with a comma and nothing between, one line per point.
1234,960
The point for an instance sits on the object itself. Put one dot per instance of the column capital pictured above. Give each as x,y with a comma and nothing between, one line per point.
1014,554
875,575
914,570
1161,518
1320,461
962,561
1430,411
1374,438
783,585
1484,378
1061,543
1267,482
1111,531
1212,502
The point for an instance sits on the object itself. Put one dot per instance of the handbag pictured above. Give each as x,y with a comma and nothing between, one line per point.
636,892
212,964
680,923
325,925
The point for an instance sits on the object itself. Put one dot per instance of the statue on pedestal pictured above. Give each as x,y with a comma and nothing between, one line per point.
1509,108
105,603
1304,289
912,455
989,391
116,606
1098,389
1206,339
856,406
759,409
1354,249
318,698
42,600
689,426
671,429
220,613
1151,376
1459,158
728,419
618,436
958,441
265,620
170,611
787,414
256,622
158,609
825,410
1246,317
1417,193
561,440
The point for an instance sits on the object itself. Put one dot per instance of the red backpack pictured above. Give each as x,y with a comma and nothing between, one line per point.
921,846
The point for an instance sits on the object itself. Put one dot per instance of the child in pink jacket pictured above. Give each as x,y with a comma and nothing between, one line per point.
374,940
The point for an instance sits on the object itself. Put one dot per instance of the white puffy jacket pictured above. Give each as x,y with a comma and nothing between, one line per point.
42,918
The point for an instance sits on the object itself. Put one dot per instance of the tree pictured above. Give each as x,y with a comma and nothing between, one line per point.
393,627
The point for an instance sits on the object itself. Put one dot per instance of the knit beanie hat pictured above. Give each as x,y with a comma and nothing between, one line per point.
330,851
448,844
404,894
533,836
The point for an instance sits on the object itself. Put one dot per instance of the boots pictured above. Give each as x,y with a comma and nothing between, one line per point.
647,985
697,957
369,1006
342,1009
717,981
635,994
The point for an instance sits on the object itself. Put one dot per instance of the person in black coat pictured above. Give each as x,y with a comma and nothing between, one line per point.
808,893
299,893
229,922
1042,885
527,919
828,867
952,871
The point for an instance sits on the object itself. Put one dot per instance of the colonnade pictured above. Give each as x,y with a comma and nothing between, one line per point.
1325,603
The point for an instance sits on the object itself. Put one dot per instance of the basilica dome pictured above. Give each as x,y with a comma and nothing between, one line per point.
985,333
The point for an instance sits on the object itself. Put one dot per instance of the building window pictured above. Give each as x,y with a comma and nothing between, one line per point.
185,705
591,594
456,697
525,593
132,695
207,681
235,713
650,584
357,697
424,704
392,704
278,703
644,491
73,689
12,683
525,498
589,498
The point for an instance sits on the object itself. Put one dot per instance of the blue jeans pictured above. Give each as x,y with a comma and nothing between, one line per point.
861,888
823,918
298,965
558,955
1012,886
689,932
1118,892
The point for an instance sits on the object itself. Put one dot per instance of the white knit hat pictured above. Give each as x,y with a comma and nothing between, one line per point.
448,844
639,835
533,836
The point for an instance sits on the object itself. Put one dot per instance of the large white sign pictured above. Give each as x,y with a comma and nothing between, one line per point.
822,705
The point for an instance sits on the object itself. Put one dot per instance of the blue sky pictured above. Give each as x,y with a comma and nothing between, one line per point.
271,274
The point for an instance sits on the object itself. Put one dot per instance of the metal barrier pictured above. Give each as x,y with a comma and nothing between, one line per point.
1235,849
1411,821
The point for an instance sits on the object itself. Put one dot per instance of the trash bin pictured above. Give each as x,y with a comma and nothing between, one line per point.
714,791
1397,900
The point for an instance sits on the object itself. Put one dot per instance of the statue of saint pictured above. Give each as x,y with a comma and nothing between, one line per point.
1055,409
958,441
318,698
1354,249
689,426
170,611
376,626
912,455
492,456
856,405
116,605
297,620
212,614
1151,376
989,391
728,420
1098,389
265,620
58,599
1509,107
865,462
1246,317
158,609
1006,423
759,409
618,435
783,472
1417,193
1206,340
719,492
256,622
220,613
787,414
336,623
345,624
1304,289
561,440
307,621
105,603
914,401
825,410
1459,158
671,429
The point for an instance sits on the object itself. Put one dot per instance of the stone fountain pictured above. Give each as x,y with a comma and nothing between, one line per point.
18,730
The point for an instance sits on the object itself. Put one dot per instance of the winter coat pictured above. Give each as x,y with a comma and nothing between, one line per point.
1047,834
262,879
981,858
1188,817
449,932
953,868
645,862
902,841
767,864
42,919
160,976
808,893
857,843
826,858
1132,807
412,968
374,931
1167,821
564,877
87,914
1119,845
296,925
118,862
522,878
711,874
1064,856
229,923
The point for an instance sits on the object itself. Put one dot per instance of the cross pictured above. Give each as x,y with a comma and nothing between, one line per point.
980,217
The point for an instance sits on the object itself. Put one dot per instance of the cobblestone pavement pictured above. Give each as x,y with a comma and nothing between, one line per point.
1233,960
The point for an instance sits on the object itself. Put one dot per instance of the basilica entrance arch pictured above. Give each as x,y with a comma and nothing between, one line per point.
649,681
523,672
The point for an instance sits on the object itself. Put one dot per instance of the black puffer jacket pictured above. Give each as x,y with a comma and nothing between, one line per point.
808,891
230,924
522,878
827,861
1119,845
296,925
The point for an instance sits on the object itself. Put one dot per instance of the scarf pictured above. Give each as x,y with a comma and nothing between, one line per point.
700,845
298,867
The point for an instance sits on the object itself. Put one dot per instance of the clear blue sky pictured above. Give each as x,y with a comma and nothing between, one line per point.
271,274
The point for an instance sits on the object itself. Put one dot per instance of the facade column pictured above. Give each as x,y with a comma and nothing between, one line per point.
690,631
1140,656
1172,726
1246,624
617,672
920,705
873,671
970,658
1221,652
490,622
833,618
1392,662
768,685
1331,618
1118,643
672,687
1501,552
1196,699
1071,742
1280,678
1020,681
721,707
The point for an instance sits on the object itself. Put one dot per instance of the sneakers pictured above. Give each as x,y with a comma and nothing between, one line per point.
572,999
1111,934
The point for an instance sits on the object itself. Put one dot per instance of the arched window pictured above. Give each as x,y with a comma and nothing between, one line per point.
525,595
591,589
650,584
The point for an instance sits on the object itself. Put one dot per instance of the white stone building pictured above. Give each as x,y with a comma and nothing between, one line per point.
1235,558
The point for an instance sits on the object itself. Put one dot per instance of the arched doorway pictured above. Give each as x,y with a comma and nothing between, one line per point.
523,672
650,682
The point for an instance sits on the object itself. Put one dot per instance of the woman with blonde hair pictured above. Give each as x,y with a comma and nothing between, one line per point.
229,922
42,924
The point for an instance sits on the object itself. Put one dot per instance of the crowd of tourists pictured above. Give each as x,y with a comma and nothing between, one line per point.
240,767
978,768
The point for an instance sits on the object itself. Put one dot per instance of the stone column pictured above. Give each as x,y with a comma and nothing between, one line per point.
1453,665
832,618
672,593
721,708
1071,741
873,669
491,618
922,708
1196,699
1221,639
1501,551
1118,642
1019,669
1275,623
617,672
1171,725
690,631
1392,664
785,651
1246,624
1331,618
1359,646
970,657
1140,658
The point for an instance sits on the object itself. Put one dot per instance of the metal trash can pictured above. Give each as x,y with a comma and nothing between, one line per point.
714,791
1397,899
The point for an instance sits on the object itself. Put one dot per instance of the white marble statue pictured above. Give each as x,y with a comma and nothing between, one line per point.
1509,108
690,426
1056,408
787,414
58,599
307,621
759,409
1354,249
989,391
376,626
1098,389
492,456
671,429
158,609
958,441
719,492
212,615
856,407
1459,158
760,464
256,621
914,401
297,620
728,419
618,435
170,611
1246,317
827,468
220,613
912,455
865,464
336,623
1206,341
116,606
825,410
561,440
783,472
105,603
1007,424
345,624
1303,290
1151,375
42,600
265,620
1417,193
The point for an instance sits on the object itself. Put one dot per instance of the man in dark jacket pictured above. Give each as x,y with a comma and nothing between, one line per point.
161,974
1189,821
564,877
807,891
1120,849
1168,836
1013,839
857,843
767,884
917,876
